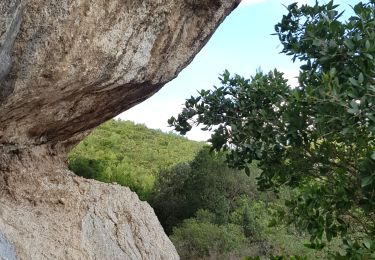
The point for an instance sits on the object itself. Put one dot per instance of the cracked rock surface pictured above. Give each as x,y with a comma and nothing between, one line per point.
67,66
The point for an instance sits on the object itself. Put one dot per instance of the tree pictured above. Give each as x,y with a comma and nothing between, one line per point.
319,137
205,183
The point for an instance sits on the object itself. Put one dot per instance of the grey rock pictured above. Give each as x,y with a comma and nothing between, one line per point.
9,26
7,250
67,66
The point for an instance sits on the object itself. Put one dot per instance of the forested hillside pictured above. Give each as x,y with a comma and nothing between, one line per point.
209,210
129,154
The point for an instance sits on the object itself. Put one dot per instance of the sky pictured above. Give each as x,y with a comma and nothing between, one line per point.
242,44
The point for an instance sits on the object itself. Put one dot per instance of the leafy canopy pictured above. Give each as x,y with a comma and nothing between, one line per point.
318,137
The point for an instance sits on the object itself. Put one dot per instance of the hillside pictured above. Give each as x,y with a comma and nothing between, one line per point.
129,154
201,203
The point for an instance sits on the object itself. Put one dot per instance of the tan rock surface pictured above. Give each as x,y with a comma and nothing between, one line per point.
65,67
77,63
57,215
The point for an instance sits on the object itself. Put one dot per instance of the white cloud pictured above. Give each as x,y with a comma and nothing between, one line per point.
300,2
251,2
292,76
285,2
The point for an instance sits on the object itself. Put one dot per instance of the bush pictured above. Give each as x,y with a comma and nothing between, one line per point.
200,238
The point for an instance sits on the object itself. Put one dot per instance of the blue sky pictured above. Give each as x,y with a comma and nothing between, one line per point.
242,44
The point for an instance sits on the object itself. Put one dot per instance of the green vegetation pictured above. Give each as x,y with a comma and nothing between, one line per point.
317,139
205,183
129,154
201,237
212,211
208,209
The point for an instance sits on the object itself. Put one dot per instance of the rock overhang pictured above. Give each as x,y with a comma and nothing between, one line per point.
78,63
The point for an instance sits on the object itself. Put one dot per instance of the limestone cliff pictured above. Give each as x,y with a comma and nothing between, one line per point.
65,67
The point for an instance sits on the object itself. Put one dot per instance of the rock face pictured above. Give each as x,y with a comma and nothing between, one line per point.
56,215
65,67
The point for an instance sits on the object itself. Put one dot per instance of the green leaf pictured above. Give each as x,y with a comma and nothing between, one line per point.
367,180
369,56
368,45
332,72
247,170
352,110
349,43
360,78
367,244
373,155
354,82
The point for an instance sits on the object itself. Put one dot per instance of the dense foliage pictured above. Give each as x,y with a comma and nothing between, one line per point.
129,154
201,237
214,212
205,183
209,210
317,138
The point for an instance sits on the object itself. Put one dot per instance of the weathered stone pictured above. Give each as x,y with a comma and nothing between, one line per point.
56,215
7,250
65,67
77,63
9,26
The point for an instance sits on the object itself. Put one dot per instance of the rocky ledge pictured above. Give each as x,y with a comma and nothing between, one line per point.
67,66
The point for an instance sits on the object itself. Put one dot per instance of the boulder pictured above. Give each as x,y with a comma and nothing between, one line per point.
67,66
